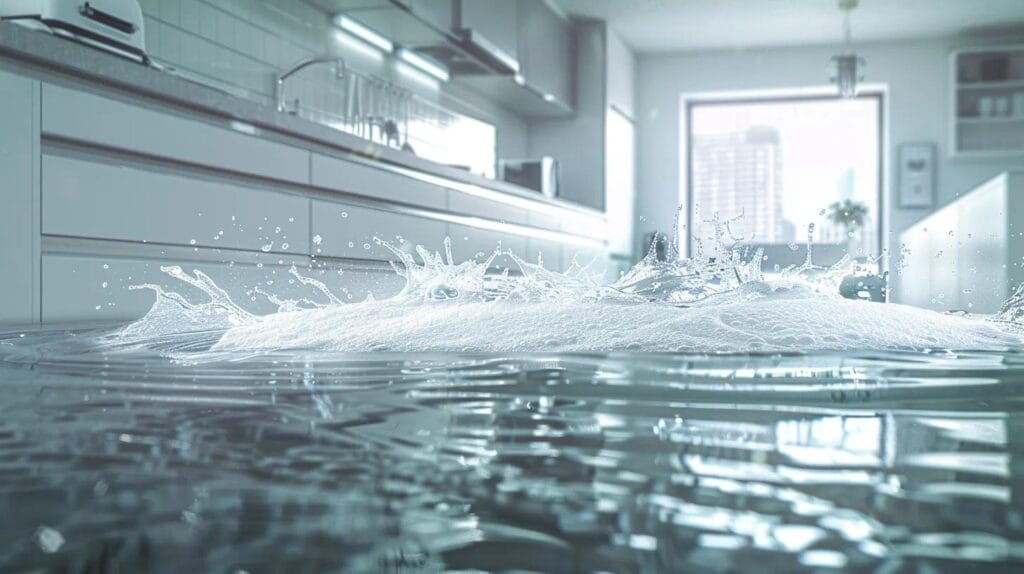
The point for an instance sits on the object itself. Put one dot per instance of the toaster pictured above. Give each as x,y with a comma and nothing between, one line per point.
114,25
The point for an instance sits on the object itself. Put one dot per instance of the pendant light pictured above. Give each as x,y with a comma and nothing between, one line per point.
846,68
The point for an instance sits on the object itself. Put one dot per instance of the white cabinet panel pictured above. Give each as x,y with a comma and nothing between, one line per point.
86,199
90,288
351,177
88,117
593,226
19,193
348,231
550,250
469,241
545,220
466,204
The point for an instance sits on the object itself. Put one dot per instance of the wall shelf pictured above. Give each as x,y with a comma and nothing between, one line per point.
987,102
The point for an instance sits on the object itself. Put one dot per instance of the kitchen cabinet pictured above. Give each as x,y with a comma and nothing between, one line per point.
351,177
491,25
546,46
96,288
437,13
341,230
468,242
19,194
87,117
550,251
120,201
465,204
964,256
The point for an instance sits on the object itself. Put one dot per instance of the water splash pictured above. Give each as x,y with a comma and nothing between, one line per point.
719,300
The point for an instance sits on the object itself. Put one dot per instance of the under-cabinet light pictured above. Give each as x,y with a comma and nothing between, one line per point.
424,64
364,33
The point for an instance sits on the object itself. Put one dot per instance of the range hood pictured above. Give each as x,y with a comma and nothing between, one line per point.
458,39
488,53
476,40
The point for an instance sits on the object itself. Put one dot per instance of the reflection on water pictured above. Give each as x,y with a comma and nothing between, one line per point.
117,460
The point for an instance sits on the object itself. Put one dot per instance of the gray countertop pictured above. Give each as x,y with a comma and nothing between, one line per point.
59,55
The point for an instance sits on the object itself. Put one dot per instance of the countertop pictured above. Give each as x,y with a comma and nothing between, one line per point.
64,56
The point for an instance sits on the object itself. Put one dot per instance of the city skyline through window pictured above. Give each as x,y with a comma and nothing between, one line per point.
781,164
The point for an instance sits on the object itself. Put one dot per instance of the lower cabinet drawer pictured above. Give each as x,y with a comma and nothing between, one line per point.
550,251
90,288
341,230
351,177
83,198
469,242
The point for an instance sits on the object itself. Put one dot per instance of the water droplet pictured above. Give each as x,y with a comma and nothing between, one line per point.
267,247
317,240
284,246
344,214
49,539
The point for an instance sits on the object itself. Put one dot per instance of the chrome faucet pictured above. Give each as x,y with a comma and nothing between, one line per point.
279,95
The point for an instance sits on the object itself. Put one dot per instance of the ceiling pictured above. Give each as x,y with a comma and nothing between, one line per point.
688,25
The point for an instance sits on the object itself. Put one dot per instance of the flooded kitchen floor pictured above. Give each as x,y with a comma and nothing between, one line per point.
114,459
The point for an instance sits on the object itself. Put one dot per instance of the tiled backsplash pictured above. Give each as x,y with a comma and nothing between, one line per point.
239,46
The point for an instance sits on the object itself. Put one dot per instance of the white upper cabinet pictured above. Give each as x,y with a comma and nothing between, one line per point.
546,43
490,25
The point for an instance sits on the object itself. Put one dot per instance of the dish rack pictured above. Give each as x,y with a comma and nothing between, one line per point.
384,113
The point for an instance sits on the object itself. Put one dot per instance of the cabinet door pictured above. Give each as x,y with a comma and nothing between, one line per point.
19,185
94,288
357,178
341,230
549,251
87,117
129,203
546,42
437,12
469,242
495,20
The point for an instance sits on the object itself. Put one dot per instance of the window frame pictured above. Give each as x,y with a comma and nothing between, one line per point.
792,96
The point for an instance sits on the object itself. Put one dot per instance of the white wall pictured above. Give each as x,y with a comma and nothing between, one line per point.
915,73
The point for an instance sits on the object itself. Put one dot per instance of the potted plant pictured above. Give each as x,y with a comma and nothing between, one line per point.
850,215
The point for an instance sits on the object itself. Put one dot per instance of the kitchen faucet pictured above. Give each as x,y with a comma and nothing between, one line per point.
279,95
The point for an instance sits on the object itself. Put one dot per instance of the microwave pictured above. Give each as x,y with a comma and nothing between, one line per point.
540,175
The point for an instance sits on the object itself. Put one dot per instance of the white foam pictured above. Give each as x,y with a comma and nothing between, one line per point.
782,324
720,303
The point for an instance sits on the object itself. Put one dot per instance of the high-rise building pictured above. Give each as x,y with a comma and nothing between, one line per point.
740,173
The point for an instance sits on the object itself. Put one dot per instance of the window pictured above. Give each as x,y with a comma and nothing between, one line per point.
771,168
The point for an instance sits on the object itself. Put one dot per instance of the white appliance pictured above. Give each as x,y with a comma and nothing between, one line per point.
114,25
536,174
